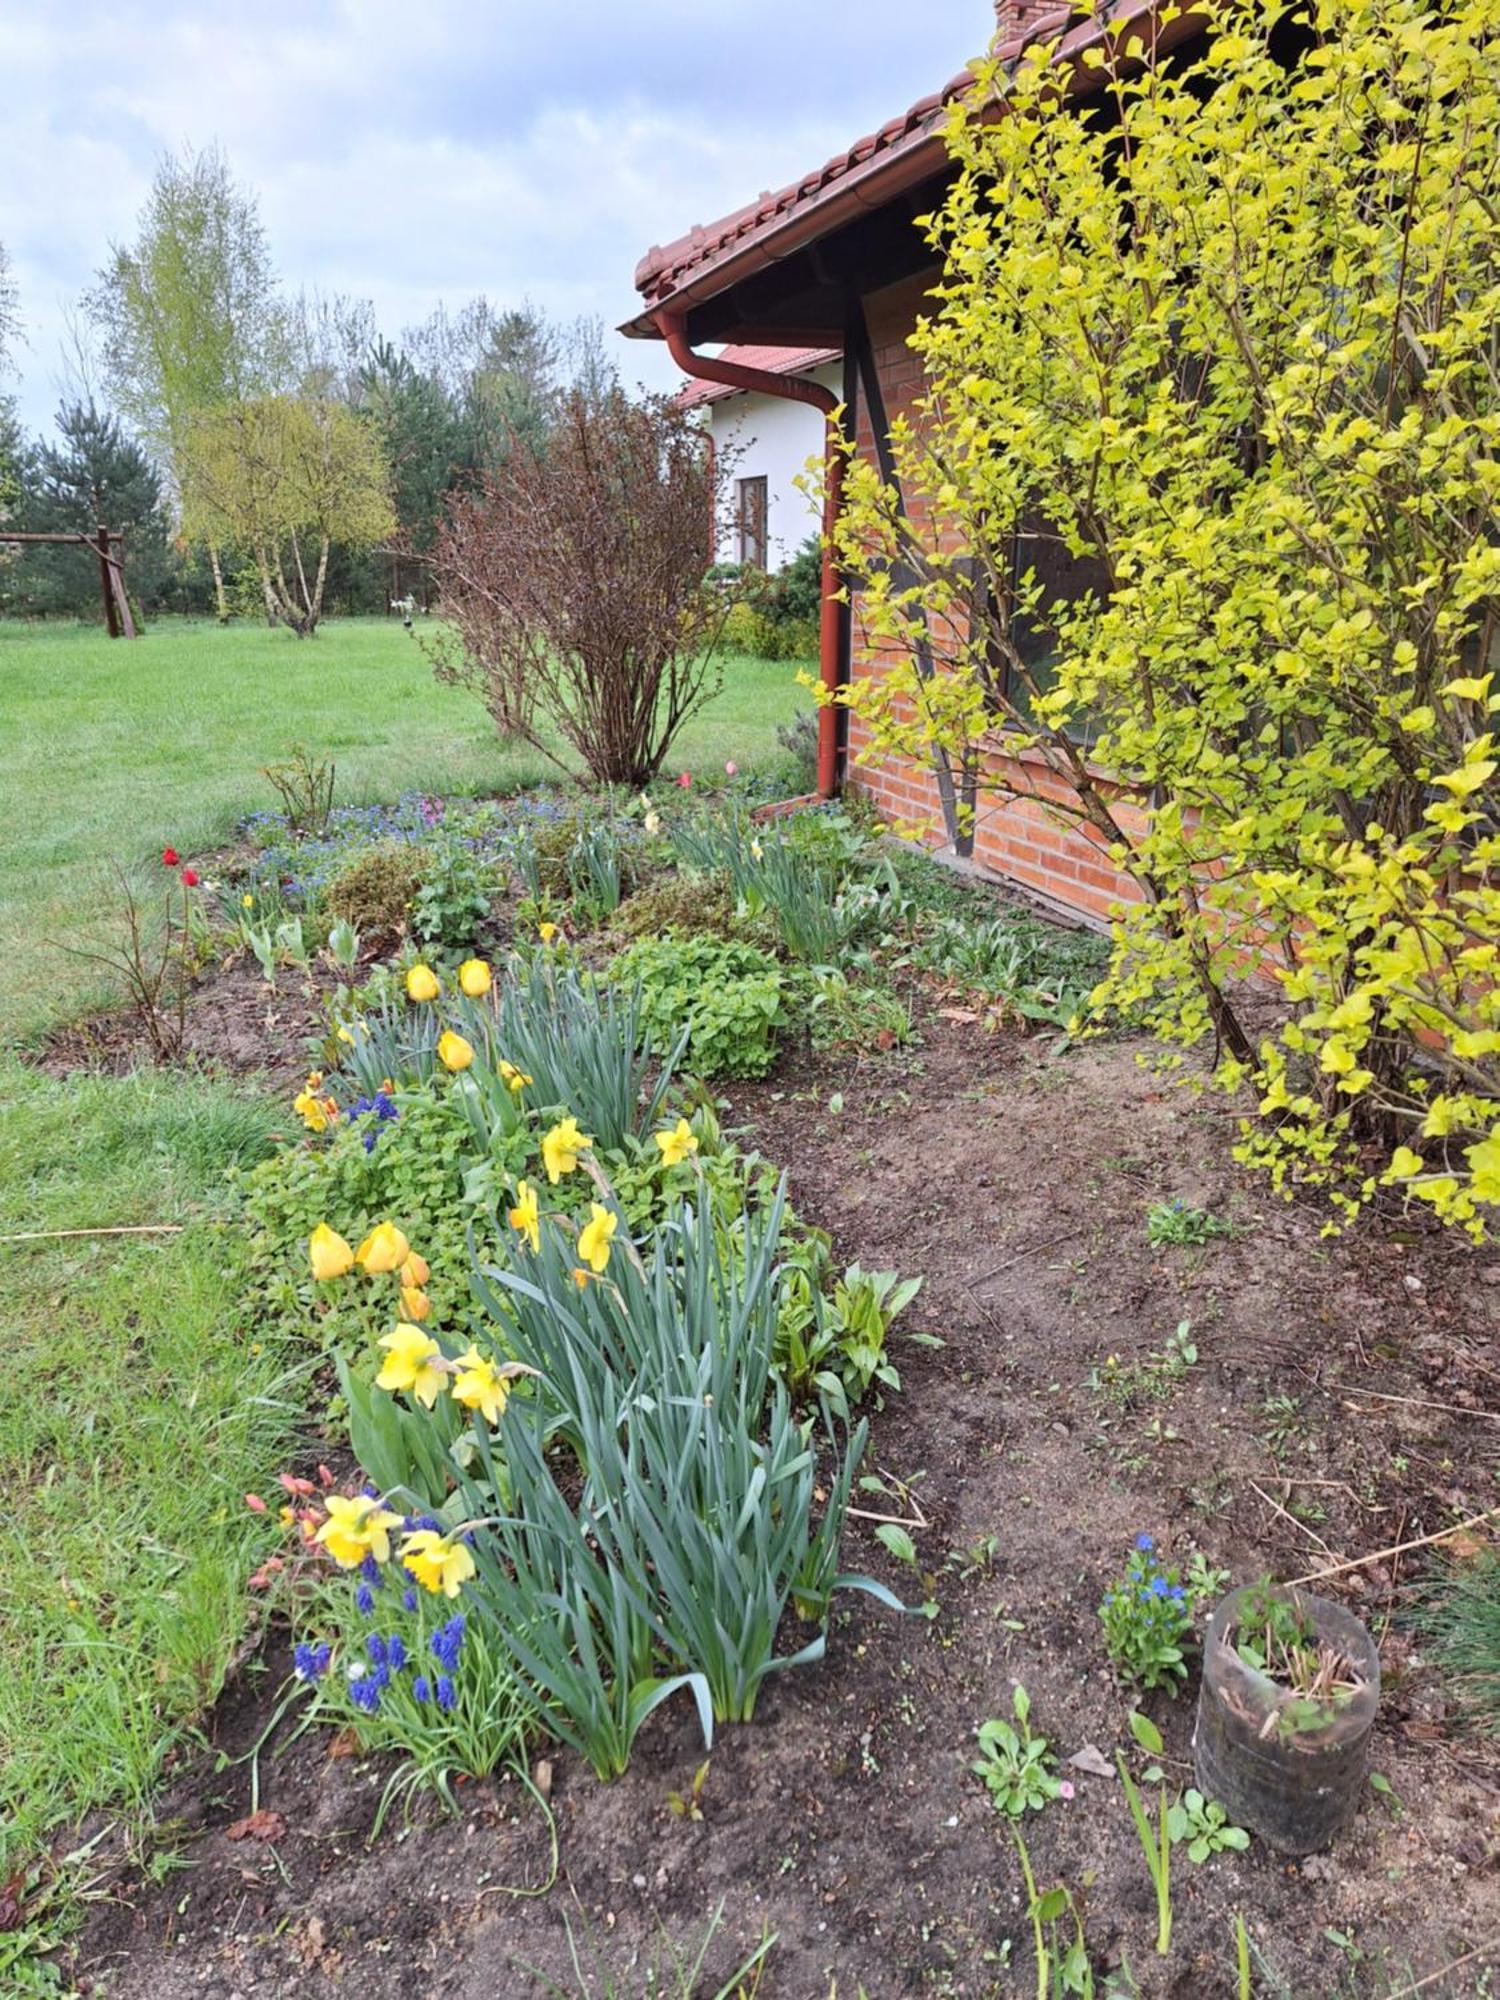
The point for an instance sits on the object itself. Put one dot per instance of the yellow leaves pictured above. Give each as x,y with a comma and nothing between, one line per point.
1484,1165
1418,720
1471,777
1468,687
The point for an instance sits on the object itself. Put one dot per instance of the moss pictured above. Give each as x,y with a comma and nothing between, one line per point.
374,891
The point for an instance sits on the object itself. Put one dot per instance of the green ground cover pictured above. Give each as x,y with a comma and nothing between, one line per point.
112,748
138,1411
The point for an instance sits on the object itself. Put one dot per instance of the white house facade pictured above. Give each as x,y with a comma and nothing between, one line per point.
771,439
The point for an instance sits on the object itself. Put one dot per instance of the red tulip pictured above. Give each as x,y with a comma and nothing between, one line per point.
169,857
685,780
189,878
254,1502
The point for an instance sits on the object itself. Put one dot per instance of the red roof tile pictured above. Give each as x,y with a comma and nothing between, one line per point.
775,361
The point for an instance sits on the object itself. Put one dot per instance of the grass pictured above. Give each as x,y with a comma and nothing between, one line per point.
138,1412
1457,1609
115,749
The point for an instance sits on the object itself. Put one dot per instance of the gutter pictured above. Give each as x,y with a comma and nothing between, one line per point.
792,388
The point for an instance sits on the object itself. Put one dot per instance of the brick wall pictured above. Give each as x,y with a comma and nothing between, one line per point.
1017,838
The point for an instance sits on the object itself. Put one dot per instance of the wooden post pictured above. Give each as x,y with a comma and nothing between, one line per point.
106,582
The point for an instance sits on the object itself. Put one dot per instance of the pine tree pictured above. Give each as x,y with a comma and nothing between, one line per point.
93,473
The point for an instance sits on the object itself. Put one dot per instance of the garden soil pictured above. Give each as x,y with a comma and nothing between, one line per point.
1344,1399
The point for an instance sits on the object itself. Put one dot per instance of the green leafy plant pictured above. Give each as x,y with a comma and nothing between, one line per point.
865,1015
1147,1621
1202,1825
1018,1767
730,1000
1174,1222
343,944
1036,973
453,897
833,1345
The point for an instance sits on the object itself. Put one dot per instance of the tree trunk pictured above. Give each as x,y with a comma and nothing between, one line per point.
221,602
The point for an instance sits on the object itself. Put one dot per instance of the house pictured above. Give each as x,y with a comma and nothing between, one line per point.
770,439
835,261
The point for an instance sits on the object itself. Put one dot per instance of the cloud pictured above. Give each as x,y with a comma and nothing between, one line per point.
411,155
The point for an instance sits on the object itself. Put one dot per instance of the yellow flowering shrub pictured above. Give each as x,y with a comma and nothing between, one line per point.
1229,336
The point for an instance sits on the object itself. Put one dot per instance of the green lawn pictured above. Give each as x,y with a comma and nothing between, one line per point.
138,1412
116,748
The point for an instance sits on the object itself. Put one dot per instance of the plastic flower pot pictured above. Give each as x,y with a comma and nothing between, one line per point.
1290,1770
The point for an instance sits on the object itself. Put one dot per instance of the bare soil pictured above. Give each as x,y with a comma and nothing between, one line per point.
845,1819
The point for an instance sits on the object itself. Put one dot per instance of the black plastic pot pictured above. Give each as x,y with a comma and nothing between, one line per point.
1291,1779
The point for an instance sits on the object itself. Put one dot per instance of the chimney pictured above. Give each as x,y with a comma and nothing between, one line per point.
1014,17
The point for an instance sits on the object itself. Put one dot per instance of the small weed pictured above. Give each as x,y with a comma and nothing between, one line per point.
1202,1825
1175,1223
1129,1383
1017,1766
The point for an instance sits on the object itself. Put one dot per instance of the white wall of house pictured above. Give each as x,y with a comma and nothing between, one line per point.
774,439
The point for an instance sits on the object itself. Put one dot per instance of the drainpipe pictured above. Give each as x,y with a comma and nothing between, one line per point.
794,389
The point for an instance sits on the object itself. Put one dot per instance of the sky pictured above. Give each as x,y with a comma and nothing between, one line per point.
418,151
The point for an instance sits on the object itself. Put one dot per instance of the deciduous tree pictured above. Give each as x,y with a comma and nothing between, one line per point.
1229,341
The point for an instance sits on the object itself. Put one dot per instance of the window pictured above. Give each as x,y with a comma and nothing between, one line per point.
752,521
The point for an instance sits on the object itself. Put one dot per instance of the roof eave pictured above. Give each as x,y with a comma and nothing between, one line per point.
896,168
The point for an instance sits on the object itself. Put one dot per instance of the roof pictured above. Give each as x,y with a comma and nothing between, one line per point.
901,154
774,360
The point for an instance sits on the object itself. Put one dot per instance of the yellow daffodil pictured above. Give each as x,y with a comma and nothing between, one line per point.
596,1235
677,1143
516,1079
316,1112
415,1271
652,823
422,983
410,1361
479,1386
357,1528
328,1253
415,1304
546,932
247,901
757,852
453,1051
384,1249
525,1217
474,978
438,1562
342,1034
561,1147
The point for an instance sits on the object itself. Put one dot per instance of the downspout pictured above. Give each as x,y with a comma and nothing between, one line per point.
794,389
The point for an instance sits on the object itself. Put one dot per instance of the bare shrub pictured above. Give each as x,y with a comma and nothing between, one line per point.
574,585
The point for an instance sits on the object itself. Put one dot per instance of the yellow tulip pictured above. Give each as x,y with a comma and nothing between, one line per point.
422,983
437,1561
415,1304
410,1364
596,1235
357,1528
328,1253
384,1249
677,1143
415,1271
561,1147
525,1217
474,978
453,1051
